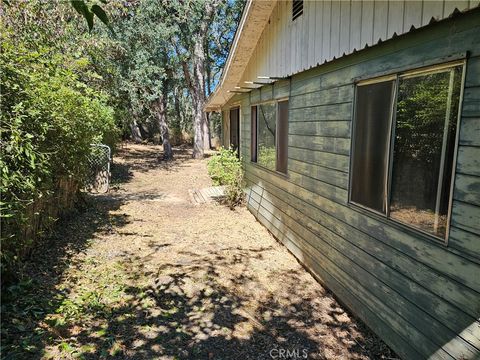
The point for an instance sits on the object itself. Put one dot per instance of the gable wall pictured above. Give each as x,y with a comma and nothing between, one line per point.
329,29
421,296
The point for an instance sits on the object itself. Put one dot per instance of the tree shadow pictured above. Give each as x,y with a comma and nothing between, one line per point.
208,321
142,159
25,304
187,305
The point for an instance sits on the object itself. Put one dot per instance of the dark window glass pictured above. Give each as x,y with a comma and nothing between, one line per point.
371,144
253,135
234,129
266,122
424,143
282,137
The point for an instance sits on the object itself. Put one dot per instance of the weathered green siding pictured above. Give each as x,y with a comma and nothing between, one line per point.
421,296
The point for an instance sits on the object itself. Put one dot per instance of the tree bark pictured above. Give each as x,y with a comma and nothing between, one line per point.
207,136
196,82
161,114
135,131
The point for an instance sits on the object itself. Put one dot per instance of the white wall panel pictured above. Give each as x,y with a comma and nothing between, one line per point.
328,29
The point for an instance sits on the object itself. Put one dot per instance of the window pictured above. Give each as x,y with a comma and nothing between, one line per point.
253,137
269,138
297,9
371,147
404,145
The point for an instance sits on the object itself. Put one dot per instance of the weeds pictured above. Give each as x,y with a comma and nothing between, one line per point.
225,168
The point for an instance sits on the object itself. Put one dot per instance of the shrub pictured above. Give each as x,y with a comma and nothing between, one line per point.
225,168
49,118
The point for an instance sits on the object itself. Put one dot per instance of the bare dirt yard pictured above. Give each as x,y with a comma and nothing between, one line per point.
143,273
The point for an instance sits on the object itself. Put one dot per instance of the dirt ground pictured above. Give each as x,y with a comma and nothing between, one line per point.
142,273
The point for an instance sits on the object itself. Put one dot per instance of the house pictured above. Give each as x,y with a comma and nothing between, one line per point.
358,124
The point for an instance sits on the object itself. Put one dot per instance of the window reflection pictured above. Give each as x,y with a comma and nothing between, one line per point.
266,115
424,142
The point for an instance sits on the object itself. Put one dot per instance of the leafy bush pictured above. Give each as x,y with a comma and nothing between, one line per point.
225,168
49,118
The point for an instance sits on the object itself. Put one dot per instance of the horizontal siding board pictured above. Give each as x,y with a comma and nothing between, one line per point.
322,113
336,95
254,96
468,161
440,285
281,89
467,217
469,131
331,128
329,176
266,93
472,77
319,187
332,161
467,242
471,102
321,143
467,189
366,272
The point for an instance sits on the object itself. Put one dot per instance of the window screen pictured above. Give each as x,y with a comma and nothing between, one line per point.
371,144
424,144
266,123
282,137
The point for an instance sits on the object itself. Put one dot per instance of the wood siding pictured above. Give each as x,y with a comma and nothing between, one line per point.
420,295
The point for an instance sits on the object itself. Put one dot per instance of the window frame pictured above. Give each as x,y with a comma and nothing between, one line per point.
256,104
397,75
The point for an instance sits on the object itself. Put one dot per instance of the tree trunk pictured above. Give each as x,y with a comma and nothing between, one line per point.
207,138
196,82
135,131
161,114
198,145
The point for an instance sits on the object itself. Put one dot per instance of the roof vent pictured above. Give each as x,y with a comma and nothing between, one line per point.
297,9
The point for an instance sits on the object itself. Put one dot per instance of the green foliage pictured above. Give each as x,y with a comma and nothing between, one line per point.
225,168
267,157
49,118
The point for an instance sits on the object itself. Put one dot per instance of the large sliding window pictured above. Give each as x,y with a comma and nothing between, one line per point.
270,135
404,145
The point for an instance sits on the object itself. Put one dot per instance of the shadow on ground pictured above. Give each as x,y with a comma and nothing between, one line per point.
26,305
78,302
142,160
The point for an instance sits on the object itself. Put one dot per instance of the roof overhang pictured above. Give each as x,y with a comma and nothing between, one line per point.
254,19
